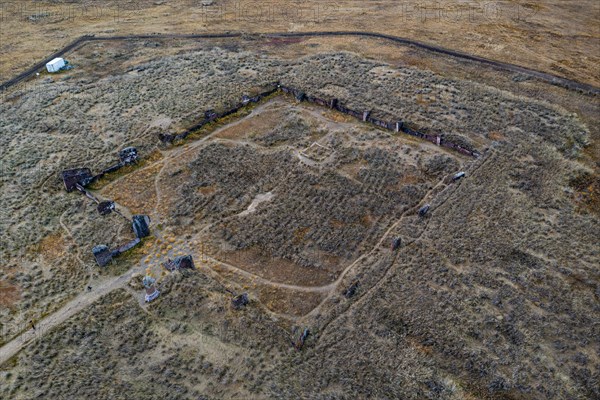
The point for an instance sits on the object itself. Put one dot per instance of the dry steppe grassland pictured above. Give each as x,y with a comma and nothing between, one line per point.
493,295
551,35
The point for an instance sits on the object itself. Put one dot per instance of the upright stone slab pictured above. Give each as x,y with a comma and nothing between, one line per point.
106,207
102,254
128,155
210,115
423,210
181,262
151,291
71,177
141,226
240,301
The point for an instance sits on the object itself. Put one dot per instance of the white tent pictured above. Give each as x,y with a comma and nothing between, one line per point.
55,65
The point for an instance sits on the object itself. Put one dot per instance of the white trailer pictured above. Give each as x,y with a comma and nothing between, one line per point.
56,65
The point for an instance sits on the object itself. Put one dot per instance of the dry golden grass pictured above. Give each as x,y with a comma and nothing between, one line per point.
431,313
9,294
52,247
136,192
556,36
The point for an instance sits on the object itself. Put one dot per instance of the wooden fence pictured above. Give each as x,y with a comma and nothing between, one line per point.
300,95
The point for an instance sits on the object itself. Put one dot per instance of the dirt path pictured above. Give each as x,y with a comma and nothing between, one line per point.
311,289
107,285
484,62
472,171
74,306
379,244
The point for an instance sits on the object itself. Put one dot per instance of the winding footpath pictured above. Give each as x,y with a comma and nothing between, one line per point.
107,285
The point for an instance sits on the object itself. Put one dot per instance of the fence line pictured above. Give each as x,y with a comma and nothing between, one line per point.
365,116
211,116
544,76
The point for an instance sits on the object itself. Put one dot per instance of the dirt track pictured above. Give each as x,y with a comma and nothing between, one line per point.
549,78
80,302
102,288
